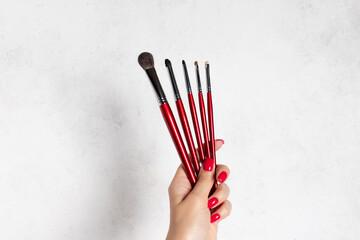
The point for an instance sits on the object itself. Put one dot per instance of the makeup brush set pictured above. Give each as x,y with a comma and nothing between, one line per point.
206,149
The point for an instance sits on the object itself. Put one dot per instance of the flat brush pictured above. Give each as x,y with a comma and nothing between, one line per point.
146,61
202,113
194,114
210,115
183,118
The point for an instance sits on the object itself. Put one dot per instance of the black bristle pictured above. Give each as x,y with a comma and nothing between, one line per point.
146,60
172,78
187,80
167,63
198,76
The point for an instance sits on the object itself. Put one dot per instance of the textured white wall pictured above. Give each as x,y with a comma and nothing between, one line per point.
84,153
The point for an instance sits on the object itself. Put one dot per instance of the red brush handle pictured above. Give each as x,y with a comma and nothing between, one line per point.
211,127
196,126
178,142
211,130
187,133
204,125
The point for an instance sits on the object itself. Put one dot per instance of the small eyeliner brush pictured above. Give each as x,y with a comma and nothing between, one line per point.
202,114
210,115
183,118
194,114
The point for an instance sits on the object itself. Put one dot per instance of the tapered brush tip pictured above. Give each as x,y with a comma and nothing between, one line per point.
183,62
196,63
167,63
207,62
146,60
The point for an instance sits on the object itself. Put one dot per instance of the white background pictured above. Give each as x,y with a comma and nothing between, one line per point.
84,152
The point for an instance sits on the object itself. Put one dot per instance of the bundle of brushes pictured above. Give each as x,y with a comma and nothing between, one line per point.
206,148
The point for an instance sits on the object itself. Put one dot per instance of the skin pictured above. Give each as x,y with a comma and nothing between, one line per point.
189,212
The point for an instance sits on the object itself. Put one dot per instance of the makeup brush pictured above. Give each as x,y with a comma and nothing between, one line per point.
183,118
146,61
193,114
210,112
202,113
210,115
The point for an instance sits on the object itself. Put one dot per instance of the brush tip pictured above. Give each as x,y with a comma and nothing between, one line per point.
196,63
207,62
183,62
146,60
167,63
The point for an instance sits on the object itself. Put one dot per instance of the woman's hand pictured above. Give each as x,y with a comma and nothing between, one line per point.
190,217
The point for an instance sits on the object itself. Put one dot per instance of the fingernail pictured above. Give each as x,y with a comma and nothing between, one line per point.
212,202
208,164
215,217
222,176
220,140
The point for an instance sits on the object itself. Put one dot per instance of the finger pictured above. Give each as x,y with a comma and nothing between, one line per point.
206,178
221,213
179,186
219,196
222,172
218,144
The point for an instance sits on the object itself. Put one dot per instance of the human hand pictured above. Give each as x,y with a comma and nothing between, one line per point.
190,217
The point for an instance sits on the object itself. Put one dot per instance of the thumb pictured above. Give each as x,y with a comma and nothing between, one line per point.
179,187
206,178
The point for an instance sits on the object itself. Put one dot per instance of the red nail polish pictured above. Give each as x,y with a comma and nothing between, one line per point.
208,164
212,202
215,217
222,176
220,140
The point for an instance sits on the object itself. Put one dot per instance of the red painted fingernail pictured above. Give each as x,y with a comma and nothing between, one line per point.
220,140
208,164
222,176
212,202
215,217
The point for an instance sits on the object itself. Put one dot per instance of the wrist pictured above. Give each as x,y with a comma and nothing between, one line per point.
173,234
